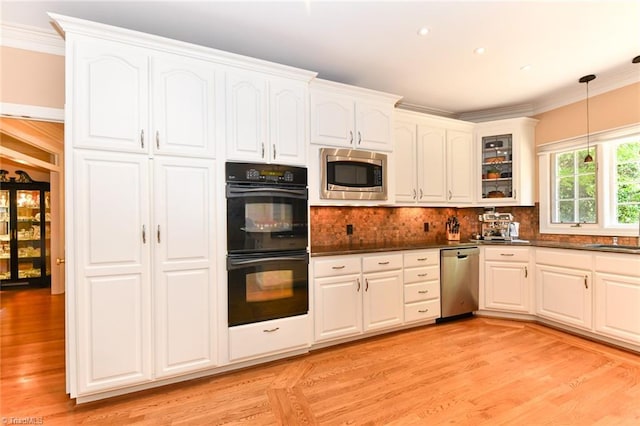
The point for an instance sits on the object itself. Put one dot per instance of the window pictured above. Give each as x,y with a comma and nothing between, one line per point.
627,187
574,188
598,198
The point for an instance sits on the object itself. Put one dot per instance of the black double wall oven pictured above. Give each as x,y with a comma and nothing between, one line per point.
267,238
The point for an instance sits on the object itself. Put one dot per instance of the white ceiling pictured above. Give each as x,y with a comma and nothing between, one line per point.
375,44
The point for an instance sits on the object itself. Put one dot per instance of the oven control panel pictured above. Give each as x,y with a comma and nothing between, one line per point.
266,174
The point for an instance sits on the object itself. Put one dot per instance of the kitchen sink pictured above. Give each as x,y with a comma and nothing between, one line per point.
614,246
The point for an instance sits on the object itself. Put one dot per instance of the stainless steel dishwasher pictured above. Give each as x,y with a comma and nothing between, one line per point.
459,271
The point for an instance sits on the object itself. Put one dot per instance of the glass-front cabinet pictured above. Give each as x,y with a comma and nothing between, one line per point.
506,153
25,232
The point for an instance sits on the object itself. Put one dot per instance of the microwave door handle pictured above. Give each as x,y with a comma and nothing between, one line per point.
233,192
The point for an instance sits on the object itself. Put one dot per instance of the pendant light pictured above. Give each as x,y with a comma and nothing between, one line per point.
586,79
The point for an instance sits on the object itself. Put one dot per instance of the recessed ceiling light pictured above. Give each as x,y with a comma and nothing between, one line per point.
525,67
423,31
479,50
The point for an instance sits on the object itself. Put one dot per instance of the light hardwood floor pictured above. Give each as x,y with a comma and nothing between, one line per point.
469,372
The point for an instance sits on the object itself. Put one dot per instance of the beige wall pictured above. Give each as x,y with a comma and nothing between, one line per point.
31,78
610,110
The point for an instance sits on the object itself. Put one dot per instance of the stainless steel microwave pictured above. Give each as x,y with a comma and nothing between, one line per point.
348,174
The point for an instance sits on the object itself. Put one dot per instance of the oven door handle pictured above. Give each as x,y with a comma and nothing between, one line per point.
241,263
236,192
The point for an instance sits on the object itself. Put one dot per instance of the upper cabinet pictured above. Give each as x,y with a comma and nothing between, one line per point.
434,160
506,158
347,116
131,99
266,118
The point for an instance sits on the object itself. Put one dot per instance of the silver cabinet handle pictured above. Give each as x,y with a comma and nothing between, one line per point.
144,234
158,234
351,137
271,330
423,291
507,254
157,139
415,194
585,282
526,272
274,151
359,137
366,281
450,194
422,311
262,149
421,193
515,194
338,267
358,281
423,275
422,259
142,138
383,263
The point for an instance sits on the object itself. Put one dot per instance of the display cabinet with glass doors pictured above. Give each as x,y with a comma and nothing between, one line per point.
497,166
25,232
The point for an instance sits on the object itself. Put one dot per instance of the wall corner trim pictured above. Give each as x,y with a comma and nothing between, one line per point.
31,38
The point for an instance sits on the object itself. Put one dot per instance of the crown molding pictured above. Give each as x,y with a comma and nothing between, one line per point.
514,111
31,112
425,110
31,38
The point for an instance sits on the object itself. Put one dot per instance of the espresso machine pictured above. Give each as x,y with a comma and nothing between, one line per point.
497,226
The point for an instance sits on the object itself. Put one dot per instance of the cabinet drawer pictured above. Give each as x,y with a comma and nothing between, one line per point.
383,262
621,264
428,273
335,266
422,258
268,337
422,310
564,258
421,291
507,254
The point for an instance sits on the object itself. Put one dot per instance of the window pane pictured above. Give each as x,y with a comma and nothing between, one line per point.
587,186
587,211
565,164
575,187
627,189
586,167
566,211
628,213
566,188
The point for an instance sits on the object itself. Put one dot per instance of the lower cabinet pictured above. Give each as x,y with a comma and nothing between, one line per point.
421,285
355,294
564,290
508,283
268,337
617,296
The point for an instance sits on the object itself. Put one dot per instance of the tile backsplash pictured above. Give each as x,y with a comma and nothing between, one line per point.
405,225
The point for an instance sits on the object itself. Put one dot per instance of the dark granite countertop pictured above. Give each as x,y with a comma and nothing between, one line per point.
318,251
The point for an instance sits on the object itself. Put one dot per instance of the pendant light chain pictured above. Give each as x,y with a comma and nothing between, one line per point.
587,79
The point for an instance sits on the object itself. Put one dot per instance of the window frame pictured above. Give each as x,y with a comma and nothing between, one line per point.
605,184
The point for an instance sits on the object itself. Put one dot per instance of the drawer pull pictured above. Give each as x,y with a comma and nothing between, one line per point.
422,259
422,311
358,280
585,282
506,254
383,263
526,272
338,267
423,291
366,281
423,275
271,330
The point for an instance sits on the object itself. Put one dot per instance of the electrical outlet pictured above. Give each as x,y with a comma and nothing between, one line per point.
349,229
426,227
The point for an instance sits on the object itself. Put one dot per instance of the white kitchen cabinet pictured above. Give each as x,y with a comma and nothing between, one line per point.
434,160
349,302
564,285
421,277
508,280
617,296
266,119
348,116
506,158
117,106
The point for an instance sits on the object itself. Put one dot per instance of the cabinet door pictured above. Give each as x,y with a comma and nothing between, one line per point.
373,126
405,158
338,306
110,96
246,117
383,300
111,233
460,166
183,240
288,112
431,164
564,295
332,120
617,306
183,107
507,286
